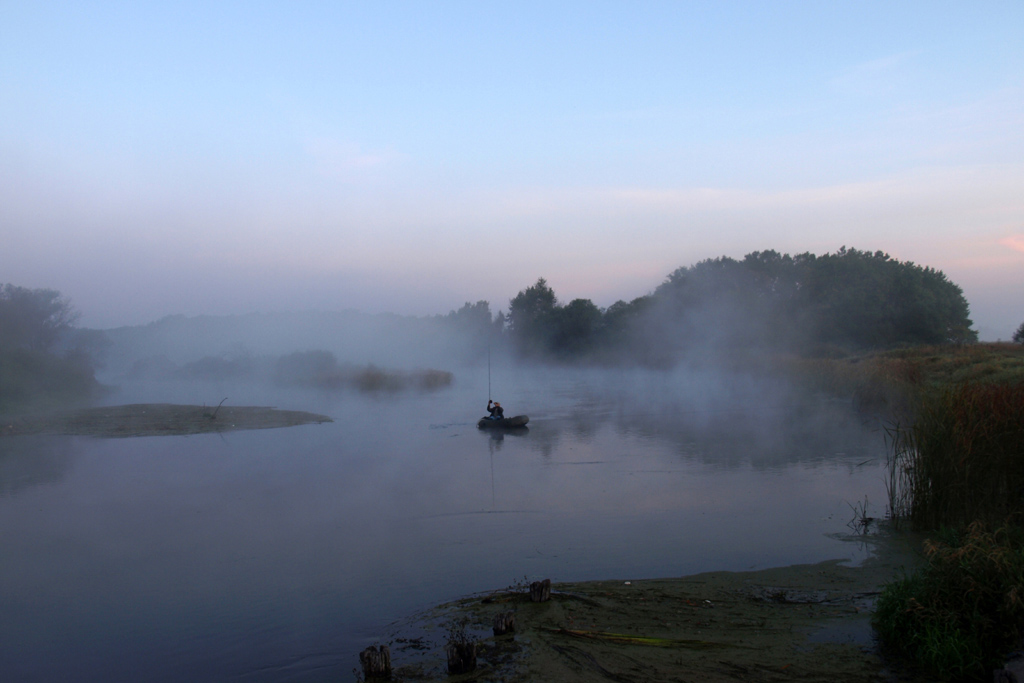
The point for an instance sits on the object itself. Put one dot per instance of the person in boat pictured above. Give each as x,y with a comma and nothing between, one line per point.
496,411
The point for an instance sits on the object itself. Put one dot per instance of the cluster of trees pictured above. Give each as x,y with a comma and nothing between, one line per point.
44,360
852,299
849,300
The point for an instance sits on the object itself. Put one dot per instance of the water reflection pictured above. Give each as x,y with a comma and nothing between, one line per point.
32,461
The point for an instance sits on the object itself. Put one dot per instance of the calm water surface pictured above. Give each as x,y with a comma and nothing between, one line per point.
279,554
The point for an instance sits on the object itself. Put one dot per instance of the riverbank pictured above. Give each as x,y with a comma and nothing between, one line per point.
155,419
798,623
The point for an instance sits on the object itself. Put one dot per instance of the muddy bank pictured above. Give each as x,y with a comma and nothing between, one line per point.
799,623
155,419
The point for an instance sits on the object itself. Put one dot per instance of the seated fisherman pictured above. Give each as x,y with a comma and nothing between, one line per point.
497,412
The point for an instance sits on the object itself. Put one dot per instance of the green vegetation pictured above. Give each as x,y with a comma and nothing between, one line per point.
43,363
321,369
314,369
1018,336
893,382
849,301
958,617
955,470
961,459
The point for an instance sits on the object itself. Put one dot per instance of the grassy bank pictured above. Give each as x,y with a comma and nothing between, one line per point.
955,417
892,383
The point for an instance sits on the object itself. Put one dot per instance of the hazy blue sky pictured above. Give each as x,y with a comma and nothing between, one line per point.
217,157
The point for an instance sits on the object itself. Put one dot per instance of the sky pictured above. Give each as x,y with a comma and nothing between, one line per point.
229,157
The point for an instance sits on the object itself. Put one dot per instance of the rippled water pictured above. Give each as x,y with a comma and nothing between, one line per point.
279,554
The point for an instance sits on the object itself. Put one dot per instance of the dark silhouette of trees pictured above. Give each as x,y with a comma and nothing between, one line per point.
531,318
1018,336
576,327
474,318
850,299
33,319
34,325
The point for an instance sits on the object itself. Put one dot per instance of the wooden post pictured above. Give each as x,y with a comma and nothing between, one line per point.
540,591
504,622
461,657
376,663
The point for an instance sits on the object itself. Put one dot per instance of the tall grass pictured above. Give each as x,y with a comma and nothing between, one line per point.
890,383
962,459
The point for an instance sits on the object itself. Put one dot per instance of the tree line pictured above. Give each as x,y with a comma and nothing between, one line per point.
845,301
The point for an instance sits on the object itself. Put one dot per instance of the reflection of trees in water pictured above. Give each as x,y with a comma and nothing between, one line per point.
545,437
27,461
758,435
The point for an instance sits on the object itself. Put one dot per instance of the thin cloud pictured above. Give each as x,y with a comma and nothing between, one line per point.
1015,242
875,77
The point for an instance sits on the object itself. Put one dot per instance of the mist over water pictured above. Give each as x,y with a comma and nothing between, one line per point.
280,554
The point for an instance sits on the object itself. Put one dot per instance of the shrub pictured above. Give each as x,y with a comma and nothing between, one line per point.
959,616
35,380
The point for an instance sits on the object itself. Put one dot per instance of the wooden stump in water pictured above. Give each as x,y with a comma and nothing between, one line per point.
376,663
504,622
540,591
461,657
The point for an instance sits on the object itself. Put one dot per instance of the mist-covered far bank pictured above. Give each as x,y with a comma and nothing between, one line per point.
353,338
731,315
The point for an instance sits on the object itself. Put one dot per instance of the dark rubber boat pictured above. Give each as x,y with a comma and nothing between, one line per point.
503,423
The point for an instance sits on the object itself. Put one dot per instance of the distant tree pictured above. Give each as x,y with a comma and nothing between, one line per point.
32,374
88,346
871,300
851,298
33,319
576,326
531,318
1018,336
471,317
621,318
499,325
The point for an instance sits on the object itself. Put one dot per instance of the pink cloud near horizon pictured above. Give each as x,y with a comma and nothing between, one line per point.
1015,242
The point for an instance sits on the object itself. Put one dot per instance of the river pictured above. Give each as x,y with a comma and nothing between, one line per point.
278,555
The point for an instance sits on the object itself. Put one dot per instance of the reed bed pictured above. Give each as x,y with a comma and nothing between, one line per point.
962,459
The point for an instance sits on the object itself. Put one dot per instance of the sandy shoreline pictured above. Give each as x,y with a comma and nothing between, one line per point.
155,419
